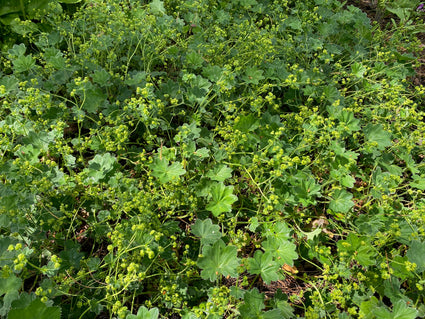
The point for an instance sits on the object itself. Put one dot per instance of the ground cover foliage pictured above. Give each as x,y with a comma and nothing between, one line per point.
209,159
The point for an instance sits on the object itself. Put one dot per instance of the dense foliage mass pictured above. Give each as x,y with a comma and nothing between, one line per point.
209,159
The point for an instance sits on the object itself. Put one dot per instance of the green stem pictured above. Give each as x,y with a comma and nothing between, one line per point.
22,8
255,279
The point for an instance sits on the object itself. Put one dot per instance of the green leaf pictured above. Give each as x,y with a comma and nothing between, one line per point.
157,7
23,29
8,299
49,270
220,173
283,250
342,176
386,162
382,313
202,152
263,264
36,309
365,256
348,181
101,77
222,199
247,123
208,232
409,161
69,1
10,284
253,224
9,287
402,311
23,63
55,58
416,254
29,153
332,94
350,121
194,60
342,152
37,5
144,313
418,182
253,304
201,83
293,22
165,172
93,263
392,287
341,202
188,133
190,315
367,307
376,133
137,78
247,3
306,190
100,166
311,235
402,13
253,307
358,69
104,162
8,7
94,98
286,310
272,314
253,75
11,83
359,248
212,72
218,259
17,50
24,300
278,231
70,255
237,292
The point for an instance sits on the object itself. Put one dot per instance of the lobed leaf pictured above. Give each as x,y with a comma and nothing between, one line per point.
264,265
218,259
208,232
222,198
165,172
36,309
341,201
